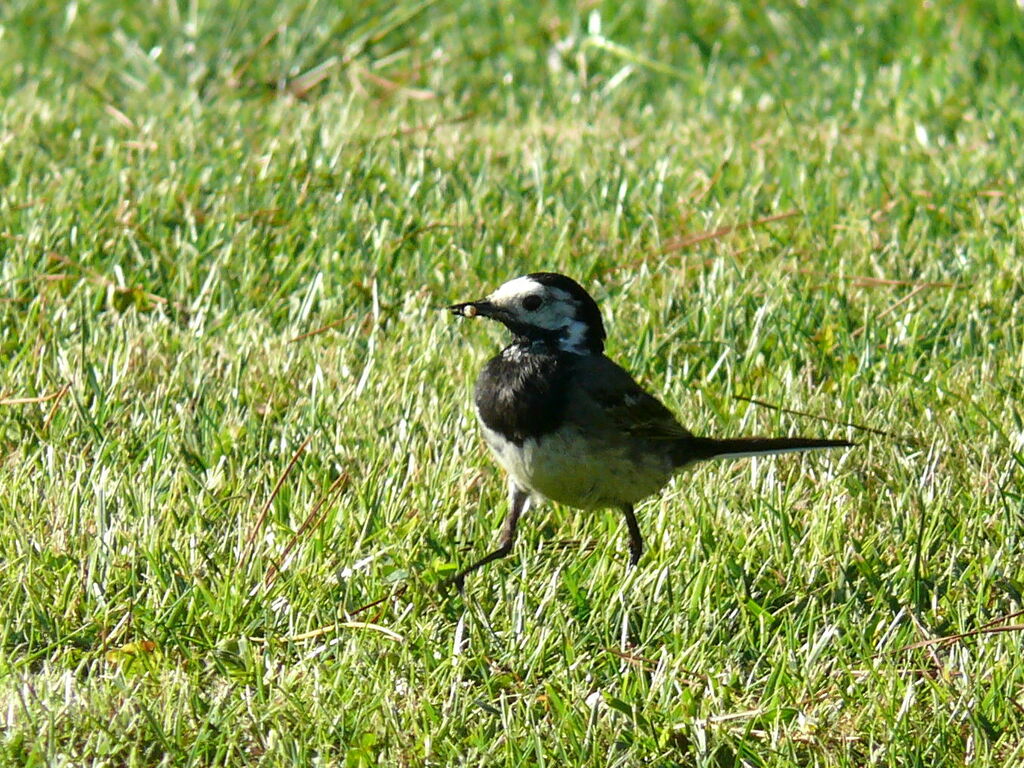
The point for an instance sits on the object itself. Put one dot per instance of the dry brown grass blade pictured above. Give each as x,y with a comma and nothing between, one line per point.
433,124
919,626
301,85
634,659
643,661
891,308
53,408
30,400
1002,619
864,281
262,517
120,117
417,231
317,331
950,639
97,278
829,420
348,623
395,87
398,592
236,77
686,241
313,518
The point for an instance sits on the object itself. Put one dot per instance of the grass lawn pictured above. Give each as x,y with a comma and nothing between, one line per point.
238,454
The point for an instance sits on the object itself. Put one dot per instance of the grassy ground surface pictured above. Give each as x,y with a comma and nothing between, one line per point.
237,450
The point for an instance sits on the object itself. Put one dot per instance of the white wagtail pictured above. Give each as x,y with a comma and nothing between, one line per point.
568,424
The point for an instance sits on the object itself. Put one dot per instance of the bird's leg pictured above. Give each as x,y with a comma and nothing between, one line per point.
636,541
519,501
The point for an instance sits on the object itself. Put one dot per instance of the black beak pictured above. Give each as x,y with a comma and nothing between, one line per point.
482,308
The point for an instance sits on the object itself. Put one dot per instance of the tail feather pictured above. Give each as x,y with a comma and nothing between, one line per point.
702,448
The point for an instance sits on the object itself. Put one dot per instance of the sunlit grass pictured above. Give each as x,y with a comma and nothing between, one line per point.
237,450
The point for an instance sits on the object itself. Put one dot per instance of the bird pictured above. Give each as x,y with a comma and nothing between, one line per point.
569,425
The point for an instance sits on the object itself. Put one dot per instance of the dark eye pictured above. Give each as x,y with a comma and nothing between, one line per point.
533,302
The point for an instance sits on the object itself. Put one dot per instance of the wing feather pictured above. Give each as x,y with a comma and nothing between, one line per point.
618,403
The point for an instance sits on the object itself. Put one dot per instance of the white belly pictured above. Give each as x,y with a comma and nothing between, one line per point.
564,467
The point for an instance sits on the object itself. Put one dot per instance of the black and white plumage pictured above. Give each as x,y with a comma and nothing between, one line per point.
568,424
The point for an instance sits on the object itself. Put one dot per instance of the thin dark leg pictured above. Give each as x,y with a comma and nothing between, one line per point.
518,502
636,541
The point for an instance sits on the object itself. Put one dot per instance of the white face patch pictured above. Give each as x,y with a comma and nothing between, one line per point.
575,338
556,310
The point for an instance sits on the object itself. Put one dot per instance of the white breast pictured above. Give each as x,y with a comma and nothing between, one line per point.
566,467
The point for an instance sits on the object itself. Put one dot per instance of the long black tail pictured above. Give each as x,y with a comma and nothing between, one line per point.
692,449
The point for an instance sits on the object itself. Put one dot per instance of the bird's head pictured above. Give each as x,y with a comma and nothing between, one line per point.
544,306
